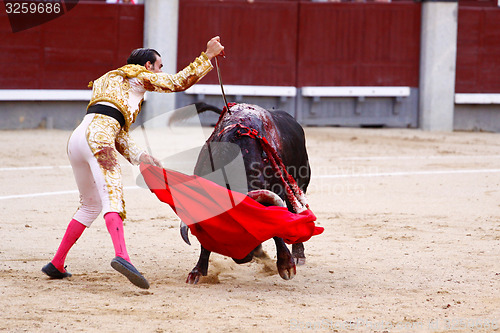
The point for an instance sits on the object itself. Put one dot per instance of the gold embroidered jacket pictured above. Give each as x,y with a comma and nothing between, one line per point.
124,88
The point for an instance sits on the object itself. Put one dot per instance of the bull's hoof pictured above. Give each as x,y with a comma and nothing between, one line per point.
286,268
298,254
193,277
287,273
300,261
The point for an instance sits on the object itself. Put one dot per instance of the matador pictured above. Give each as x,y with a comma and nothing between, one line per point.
103,133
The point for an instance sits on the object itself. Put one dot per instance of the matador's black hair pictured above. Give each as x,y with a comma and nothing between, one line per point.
142,56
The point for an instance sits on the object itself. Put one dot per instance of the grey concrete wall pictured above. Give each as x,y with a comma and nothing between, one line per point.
332,112
29,115
480,117
354,111
437,65
160,33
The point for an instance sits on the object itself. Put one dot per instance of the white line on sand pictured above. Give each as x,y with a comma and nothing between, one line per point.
381,174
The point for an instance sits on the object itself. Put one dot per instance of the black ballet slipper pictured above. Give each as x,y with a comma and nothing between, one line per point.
130,272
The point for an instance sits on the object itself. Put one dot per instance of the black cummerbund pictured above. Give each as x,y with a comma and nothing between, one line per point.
108,111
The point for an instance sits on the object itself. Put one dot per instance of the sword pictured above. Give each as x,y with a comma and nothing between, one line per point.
220,81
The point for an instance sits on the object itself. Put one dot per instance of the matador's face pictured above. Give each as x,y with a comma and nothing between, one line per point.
156,67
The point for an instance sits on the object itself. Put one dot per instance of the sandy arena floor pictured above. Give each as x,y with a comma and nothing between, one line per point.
411,244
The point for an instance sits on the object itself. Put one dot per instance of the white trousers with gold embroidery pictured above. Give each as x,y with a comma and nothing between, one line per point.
94,159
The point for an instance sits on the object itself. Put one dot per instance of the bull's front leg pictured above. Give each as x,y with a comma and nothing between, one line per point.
298,253
201,267
285,263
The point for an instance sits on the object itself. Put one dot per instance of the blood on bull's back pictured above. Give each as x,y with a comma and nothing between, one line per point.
242,126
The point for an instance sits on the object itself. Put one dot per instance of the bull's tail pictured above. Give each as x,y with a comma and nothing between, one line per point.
180,115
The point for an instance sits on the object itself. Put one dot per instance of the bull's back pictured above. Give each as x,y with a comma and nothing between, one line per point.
278,127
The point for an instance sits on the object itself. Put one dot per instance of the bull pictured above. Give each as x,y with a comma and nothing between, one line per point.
242,125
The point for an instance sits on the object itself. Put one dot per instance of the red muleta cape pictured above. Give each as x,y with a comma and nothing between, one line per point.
224,221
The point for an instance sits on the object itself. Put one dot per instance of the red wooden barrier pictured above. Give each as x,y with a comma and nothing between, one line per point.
68,52
260,39
291,43
478,50
359,44
478,3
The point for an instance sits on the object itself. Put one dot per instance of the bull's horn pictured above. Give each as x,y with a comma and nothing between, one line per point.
266,197
184,232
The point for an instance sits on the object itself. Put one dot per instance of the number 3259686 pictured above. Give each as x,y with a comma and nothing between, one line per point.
32,7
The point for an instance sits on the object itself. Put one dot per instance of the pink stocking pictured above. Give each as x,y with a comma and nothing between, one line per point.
73,232
114,223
